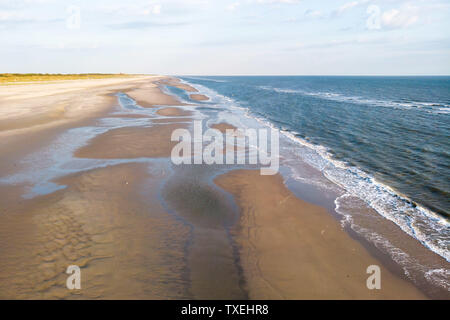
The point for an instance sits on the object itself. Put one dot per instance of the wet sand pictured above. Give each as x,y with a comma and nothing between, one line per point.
223,127
125,243
213,265
134,142
291,249
171,120
173,112
154,230
198,97
174,82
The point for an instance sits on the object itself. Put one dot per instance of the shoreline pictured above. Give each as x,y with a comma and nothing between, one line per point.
279,231
383,238
200,239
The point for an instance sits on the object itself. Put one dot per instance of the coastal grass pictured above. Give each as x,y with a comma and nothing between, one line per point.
20,78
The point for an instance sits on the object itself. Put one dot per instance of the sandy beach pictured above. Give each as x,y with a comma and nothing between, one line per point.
175,82
141,227
278,231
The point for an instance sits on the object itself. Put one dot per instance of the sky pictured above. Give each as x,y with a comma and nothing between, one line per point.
226,37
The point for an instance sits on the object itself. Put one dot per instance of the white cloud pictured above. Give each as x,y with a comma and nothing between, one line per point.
313,13
400,18
135,9
347,6
360,40
233,6
391,19
279,1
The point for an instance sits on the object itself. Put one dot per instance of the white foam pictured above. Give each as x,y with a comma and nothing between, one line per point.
424,225
429,107
439,277
432,230
411,267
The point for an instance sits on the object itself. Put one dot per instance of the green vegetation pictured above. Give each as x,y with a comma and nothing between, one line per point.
11,78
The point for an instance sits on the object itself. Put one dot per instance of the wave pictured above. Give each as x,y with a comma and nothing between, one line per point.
410,266
431,229
430,107
439,277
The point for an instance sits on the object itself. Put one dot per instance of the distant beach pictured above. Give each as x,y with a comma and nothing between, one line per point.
86,179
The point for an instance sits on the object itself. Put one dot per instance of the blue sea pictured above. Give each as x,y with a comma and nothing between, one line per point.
384,141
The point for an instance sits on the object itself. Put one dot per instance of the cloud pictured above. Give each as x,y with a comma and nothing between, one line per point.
135,9
313,13
233,6
309,14
9,18
14,4
349,5
145,25
393,18
71,45
231,42
279,1
400,18
361,40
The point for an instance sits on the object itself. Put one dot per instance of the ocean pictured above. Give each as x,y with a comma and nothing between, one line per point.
382,142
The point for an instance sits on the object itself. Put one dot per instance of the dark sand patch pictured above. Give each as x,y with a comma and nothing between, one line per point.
128,115
214,270
131,142
223,126
198,97
291,249
171,120
173,112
